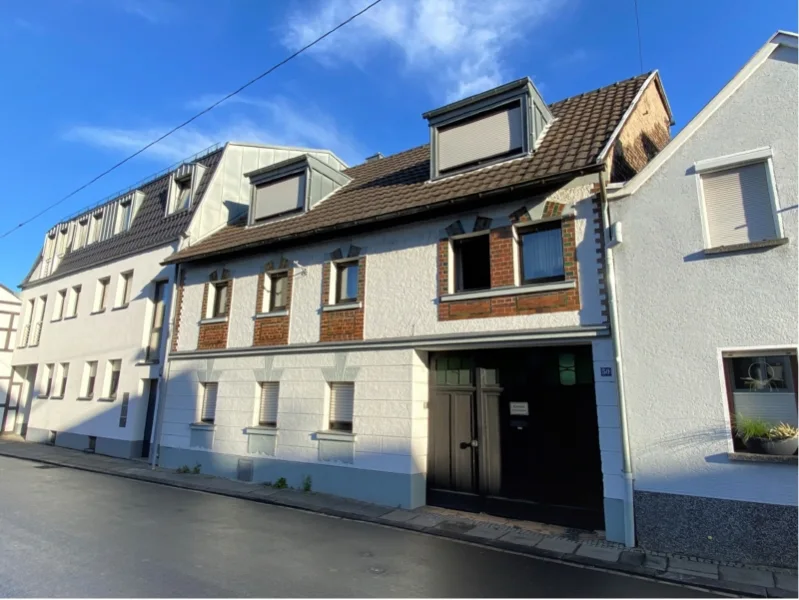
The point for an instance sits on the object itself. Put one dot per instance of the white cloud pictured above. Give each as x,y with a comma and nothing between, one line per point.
274,121
460,44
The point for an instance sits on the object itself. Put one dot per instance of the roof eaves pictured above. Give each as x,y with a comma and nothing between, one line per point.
385,218
498,91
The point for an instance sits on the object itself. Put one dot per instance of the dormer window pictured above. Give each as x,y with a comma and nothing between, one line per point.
82,235
183,187
488,128
96,227
294,185
124,218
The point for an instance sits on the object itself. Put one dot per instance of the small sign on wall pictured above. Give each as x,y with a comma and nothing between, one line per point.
606,371
520,409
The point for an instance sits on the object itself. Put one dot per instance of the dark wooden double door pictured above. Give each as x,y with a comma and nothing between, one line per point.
514,433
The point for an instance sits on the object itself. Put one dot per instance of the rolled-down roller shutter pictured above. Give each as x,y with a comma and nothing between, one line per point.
341,402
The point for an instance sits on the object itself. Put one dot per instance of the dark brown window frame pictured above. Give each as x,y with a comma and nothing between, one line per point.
218,312
543,226
274,276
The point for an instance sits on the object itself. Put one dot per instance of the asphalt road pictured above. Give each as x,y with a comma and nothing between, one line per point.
71,533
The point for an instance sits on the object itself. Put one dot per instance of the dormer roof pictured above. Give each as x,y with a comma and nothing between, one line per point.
399,186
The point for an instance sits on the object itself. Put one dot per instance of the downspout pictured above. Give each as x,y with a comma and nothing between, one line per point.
156,435
629,513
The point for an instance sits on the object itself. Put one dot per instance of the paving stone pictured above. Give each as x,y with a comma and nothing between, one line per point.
786,581
263,491
456,526
690,567
522,538
659,563
426,520
399,516
487,532
780,593
363,509
557,545
634,559
599,552
752,576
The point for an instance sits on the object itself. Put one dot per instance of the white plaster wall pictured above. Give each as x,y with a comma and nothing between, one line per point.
228,194
10,309
401,283
390,418
113,334
679,309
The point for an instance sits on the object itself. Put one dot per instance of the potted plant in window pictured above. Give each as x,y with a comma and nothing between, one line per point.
761,437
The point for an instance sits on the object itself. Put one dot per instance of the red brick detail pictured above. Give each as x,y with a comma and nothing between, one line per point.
271,331
599,235
213,336
502,275
343,325
178,309
500,244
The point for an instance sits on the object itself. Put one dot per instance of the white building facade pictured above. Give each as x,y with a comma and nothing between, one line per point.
96,306
706,274
411,362
10,308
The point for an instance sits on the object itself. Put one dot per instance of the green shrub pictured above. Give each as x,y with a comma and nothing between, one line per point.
196,469
183,469
747,428
783,431
306,484
281,483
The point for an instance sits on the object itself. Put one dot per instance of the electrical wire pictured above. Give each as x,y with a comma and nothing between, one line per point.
638,28
190,120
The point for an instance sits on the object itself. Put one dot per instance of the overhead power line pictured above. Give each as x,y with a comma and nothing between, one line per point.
194,118
638,28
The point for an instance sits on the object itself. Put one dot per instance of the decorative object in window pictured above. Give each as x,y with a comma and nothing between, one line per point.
472,263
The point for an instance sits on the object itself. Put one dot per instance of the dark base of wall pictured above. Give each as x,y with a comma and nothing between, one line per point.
380,487
724,530
77,441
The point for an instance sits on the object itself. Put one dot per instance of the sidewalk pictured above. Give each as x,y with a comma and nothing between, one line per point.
535,539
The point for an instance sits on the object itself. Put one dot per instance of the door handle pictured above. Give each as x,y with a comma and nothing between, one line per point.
472,444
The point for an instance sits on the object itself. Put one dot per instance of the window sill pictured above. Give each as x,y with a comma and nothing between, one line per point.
42,397
762,458
97,312
747,246
213,320
202,426
335,436
84,398
146,363
106,399
274,313
261,430
121,307
55,320
344,306
532,288
70,317
56,397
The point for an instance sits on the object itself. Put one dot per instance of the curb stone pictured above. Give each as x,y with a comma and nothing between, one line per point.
654,564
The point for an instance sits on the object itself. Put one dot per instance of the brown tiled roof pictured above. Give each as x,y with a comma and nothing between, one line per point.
394,185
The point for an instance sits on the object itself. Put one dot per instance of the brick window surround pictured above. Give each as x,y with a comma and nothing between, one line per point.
213,334
272,329
342,325
503,275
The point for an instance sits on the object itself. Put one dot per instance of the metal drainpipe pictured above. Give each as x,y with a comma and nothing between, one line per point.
629,514
156,443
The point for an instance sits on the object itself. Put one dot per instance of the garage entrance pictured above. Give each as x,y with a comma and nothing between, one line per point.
514,433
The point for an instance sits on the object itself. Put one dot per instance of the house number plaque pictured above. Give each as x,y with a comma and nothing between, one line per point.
519,408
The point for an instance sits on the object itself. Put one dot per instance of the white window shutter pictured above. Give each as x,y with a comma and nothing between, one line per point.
738,205
279,197
267,414
341,402
209,403
494,134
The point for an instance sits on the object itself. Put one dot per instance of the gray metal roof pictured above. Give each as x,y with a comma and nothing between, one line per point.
150,227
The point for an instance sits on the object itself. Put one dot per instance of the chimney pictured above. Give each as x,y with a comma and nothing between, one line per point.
374,157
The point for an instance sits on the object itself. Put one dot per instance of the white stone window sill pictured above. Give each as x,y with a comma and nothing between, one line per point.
746,246
274,313
533,288
202,426
260,430
213,320
762,458
343,306
335,436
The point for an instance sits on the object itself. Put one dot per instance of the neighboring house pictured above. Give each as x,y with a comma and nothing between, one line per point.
428,327
706,273
10,307
96,304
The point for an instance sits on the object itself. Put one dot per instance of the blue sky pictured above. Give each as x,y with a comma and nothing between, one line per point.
86,82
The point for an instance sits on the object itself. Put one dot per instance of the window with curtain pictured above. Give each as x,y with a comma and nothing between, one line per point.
541,253
342,397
